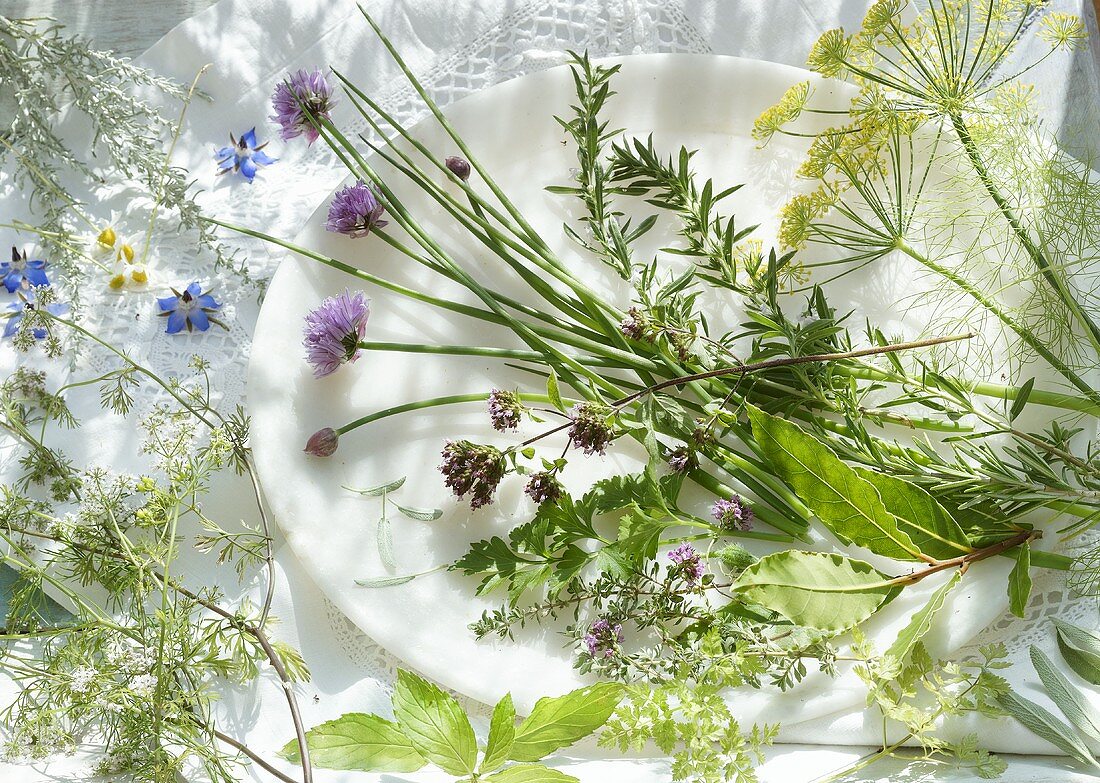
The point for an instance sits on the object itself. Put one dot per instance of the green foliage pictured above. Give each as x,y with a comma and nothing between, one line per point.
431,728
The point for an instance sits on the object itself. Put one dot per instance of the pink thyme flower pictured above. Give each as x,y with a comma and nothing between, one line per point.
687,561
355,210
732,514
602,638
302,96
333,332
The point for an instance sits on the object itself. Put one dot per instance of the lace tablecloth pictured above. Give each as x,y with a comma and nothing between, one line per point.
456,47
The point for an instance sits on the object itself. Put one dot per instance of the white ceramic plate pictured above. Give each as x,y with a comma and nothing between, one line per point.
703,102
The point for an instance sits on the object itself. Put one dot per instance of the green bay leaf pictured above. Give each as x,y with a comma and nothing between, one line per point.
358,741
558,722
1019,581
827,591
435,724
846,503
921,621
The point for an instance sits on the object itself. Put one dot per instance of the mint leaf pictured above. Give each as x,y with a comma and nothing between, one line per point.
435,724
921,620
358,741
502,733
816,589
559,722
1019,581
529,773
846,503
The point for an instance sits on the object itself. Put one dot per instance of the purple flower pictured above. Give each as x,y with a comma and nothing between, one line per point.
192,309
504,410
681,459
243,156
471,468
590,429
323,443
460,167
19,309
19,270
355,210
543,487
732,514
636,326
299,98
333,331
602,638
687,562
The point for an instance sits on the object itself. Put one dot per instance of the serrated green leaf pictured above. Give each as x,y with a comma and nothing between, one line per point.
530,773
553,391
380,489
1041,722
919,515
385,543
1081,650
921,621
435,724
502,733
846,503
358,741
421,514
1073,704
558,722
827,591
1019,581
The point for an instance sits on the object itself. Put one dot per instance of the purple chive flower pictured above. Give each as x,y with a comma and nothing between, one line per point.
732,514
243,155
687,562
543,487
19,271
302,96
192,309
460,167
17,310
474,469
602,638
355,210
333,331
590,430
681,459
323,443
504,410
636,326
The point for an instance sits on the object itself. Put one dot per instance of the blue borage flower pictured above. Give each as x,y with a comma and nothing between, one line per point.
17,311
191,309
20,270
243,155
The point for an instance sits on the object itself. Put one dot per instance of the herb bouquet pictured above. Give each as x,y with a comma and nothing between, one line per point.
793,419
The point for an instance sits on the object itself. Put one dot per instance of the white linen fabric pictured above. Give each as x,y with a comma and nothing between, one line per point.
456,47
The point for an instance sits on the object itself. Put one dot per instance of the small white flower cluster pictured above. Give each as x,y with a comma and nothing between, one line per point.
143,685
81,680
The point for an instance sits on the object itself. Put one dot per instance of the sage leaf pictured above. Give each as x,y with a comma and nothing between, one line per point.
1019,581
827,591
529,773
920,516
846,503
553,392
380,489
385,543
385,581
1041,722
421,514
560,721
502,733
921,621
435,724
1066,696
358,741
1080,649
